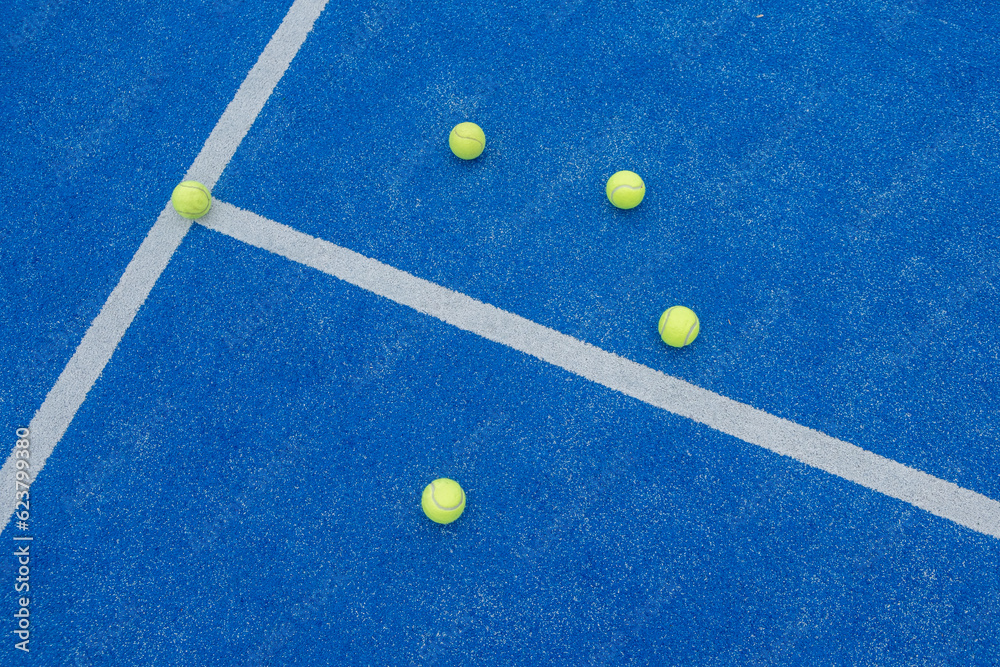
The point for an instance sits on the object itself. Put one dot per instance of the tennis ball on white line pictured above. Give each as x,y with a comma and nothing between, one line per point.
678,326
443,500
191,199
467,141
625,189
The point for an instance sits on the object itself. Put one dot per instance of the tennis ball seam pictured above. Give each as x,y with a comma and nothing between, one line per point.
190,192
194,189
462,136
442,507
625,189
688,337
614,193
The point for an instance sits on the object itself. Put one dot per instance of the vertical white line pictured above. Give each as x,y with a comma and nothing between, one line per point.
106,331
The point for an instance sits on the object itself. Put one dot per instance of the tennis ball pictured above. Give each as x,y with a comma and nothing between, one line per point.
467,141
625,189
443,500
191,199
678,326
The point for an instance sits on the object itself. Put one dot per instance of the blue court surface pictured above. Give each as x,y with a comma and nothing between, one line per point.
229,424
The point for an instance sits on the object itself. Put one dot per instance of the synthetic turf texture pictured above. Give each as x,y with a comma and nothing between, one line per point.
945,499
824,208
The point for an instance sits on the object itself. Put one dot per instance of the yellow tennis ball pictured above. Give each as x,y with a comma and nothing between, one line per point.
625,189
678,326
443,500
191,199
467,141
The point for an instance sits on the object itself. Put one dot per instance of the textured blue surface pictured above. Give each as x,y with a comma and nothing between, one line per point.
821,185
275,513
99,125
242,485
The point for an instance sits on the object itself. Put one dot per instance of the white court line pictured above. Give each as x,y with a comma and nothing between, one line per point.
937,496
843,459
93,353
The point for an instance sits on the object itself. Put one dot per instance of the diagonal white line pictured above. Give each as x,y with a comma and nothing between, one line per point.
843,459
52,419
254,92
